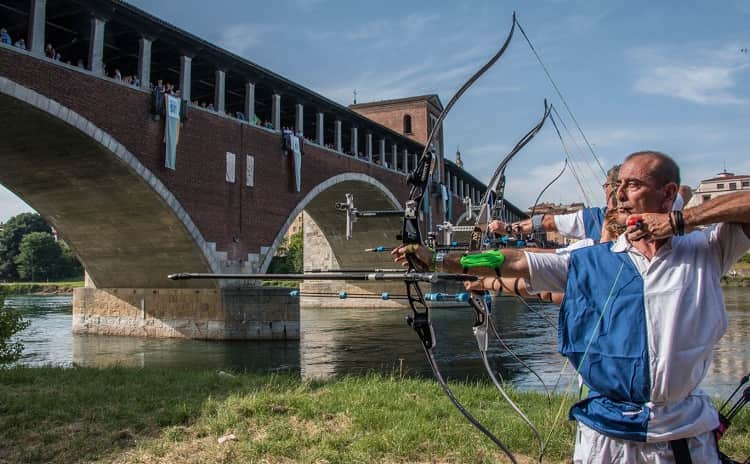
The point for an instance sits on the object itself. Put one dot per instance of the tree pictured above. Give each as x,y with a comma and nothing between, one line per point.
73,268
289,256
11,323
10,240
40,258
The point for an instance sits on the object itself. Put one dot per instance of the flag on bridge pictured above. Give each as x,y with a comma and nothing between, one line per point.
172,131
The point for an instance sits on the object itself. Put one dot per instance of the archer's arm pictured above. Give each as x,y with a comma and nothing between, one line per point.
514,265
731,208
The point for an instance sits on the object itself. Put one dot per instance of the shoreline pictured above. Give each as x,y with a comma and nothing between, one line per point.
39,288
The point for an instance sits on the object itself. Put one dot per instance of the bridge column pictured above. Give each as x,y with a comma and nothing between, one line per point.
276,111
406,160
37,21
337,125
299,119
186,67
96,45
144,62
355,142
368,146
455,184
220,90
394,157
320,129
461,188
381,150
448,184
250,102
414,161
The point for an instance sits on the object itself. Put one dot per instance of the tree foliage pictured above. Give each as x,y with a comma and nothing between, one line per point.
10,240
289,256
11,323
29,252
39,258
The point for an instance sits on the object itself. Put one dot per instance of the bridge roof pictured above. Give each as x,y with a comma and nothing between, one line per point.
155,28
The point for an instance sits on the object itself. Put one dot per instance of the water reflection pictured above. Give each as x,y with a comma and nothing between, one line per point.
345,341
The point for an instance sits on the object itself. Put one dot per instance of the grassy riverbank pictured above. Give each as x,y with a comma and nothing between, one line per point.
155,415
25,288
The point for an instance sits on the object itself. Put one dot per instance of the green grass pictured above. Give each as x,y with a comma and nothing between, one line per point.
23,288
128,415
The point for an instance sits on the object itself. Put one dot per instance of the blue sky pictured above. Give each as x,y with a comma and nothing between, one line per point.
666,75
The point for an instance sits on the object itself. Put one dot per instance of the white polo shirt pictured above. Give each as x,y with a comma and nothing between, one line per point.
685,317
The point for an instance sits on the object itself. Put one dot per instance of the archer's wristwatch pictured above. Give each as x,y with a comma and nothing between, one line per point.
439,259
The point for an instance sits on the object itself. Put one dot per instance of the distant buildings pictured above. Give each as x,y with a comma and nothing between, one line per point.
724,182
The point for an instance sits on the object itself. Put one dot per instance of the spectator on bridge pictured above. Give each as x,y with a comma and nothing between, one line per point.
5,37
79,63
20,43
117,75
58,56
49,51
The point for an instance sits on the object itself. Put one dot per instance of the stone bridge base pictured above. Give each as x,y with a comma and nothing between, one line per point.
229,314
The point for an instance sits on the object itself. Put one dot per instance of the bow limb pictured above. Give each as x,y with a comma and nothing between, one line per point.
492,207
492,200
419,180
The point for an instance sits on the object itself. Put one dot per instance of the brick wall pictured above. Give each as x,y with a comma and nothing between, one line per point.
239,219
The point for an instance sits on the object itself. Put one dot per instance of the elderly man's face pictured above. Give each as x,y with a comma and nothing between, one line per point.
639,191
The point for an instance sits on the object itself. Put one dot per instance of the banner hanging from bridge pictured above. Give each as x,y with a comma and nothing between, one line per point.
172,131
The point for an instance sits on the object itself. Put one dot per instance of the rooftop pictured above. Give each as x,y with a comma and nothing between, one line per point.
430,97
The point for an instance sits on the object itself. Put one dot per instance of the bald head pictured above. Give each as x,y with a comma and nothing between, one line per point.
661,168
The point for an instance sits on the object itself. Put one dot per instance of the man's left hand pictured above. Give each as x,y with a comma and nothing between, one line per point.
421,256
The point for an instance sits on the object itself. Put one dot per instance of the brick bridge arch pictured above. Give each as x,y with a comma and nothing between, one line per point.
126,227
333,250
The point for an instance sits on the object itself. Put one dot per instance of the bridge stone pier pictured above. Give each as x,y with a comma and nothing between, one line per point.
87,151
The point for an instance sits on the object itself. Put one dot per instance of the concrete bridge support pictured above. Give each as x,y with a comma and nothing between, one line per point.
250,313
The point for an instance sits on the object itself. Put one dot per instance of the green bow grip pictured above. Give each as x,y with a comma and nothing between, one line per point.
493,259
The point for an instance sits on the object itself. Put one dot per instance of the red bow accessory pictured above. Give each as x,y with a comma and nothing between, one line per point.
635,221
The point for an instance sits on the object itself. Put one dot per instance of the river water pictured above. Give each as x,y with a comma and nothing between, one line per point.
348,341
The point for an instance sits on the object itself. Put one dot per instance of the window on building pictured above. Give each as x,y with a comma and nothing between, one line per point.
706,197
733,186
745,183
407,124
719,186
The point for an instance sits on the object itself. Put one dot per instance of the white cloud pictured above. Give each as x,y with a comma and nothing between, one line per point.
698,84
392,31
369,30
241,38
707,76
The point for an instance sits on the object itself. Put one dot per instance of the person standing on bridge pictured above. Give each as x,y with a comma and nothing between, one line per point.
640,317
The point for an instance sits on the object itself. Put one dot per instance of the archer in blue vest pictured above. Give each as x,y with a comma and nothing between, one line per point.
640,316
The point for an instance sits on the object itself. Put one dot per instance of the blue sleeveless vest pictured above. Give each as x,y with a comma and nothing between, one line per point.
593,220
604,306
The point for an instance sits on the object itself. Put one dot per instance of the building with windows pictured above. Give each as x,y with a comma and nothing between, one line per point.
724,182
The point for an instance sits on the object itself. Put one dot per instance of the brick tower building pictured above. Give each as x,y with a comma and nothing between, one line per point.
412,116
